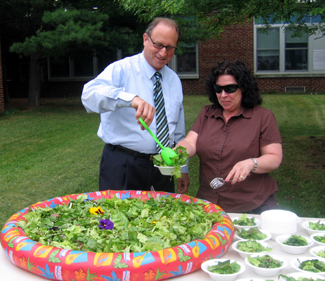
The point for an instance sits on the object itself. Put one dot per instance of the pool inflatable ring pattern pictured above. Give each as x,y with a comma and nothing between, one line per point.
59,264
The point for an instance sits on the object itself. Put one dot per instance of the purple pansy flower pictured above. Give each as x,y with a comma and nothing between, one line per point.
106,224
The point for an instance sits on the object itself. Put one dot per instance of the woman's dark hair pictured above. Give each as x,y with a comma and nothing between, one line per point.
243,77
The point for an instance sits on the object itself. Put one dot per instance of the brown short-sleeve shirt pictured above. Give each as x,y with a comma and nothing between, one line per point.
221,145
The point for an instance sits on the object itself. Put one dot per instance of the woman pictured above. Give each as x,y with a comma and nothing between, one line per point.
236,139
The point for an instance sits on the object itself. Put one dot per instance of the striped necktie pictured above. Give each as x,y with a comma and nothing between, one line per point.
161,118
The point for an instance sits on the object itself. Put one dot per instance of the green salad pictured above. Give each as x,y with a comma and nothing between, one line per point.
115,225
243,220
316,225
320,253
265,261
179,160
253,233
312,265
320,238
296,240
252,246
289,278
226,267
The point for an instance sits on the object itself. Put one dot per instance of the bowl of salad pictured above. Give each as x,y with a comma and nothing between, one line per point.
309,264
248,247
179,162
314,226
266,264
318,251
300,276
253,233
223,269
318,238
294,244
245,221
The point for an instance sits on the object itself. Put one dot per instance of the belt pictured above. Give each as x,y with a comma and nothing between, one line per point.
131,152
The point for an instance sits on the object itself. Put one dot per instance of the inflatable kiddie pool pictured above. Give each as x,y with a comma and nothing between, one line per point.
61,264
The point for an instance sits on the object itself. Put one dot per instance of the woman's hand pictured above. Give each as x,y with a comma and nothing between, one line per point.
270,159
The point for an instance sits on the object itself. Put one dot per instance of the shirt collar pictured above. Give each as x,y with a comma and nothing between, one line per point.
150,71
217,112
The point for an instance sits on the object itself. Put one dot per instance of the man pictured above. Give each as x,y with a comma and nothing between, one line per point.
126,85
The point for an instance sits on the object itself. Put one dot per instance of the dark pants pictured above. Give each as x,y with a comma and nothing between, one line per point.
120,171
269,204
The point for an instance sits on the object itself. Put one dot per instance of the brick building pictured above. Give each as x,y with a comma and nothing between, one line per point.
280,63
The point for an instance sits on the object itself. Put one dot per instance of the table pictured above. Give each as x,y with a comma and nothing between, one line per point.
10,272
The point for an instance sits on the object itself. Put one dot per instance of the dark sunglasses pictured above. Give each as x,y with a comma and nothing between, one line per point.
231,88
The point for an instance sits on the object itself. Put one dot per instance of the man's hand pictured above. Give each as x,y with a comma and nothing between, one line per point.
144,110
183,183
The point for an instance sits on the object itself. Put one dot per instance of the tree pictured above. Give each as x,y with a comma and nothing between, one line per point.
210,16
54,28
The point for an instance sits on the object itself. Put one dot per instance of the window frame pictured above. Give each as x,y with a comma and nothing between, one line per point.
311,71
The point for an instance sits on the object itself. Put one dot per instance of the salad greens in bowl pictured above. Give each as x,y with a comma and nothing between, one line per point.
246,247
294,244
309,264
301,276
266,264
318,238
318,251
179,161
314,226
223,269
245,222
253,233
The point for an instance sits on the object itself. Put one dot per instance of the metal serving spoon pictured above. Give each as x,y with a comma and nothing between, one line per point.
217,182
166,152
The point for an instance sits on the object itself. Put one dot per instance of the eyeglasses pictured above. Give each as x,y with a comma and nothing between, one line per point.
231,88
160,46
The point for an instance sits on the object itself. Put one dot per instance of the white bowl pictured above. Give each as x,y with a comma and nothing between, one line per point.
257,223
312,237
315,250
294,250
305,225
303,274
222,277
244,254
296,262
268,235
250,279
267,271
167,171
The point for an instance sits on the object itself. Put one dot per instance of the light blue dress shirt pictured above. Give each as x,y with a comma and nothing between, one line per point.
111,94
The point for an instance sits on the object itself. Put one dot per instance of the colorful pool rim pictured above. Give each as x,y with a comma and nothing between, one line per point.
60,264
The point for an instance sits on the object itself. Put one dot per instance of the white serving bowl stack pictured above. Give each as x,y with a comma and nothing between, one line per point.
294,250
279,222
222,277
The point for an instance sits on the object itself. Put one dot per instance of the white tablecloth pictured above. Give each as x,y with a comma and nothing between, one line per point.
10,272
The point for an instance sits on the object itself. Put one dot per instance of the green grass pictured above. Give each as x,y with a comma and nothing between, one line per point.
54,151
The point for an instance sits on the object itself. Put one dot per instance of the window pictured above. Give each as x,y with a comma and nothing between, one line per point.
65,68
268,49
296,51
186,64
277,53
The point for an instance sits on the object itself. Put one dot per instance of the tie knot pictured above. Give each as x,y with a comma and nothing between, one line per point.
158,75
